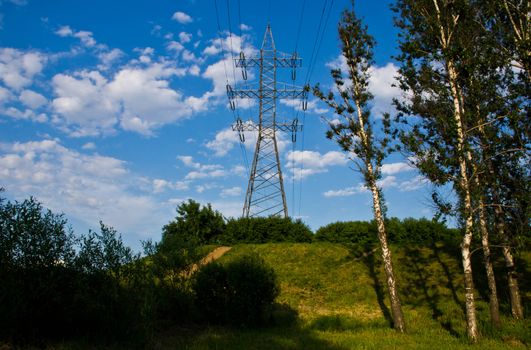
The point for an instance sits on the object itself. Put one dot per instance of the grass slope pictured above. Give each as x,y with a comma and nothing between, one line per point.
340,302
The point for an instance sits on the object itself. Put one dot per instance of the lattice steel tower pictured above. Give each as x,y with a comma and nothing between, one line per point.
265,194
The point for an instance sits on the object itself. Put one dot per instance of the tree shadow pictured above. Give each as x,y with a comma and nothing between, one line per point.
373,264
419,290
285,333
447,272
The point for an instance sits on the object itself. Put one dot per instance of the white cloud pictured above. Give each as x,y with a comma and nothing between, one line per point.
160,185
394,168
223,143
182,17
88,188
107,58
18,68
84,36
313,162
231,192
413,184
245,27
185,37
84,103
138,98
230,43
175,46
5,95
226,139
32,99
202,171
345,192
380,85
387,182
89,146
27,114
312,105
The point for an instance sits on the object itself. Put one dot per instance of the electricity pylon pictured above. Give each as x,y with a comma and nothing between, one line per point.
265,194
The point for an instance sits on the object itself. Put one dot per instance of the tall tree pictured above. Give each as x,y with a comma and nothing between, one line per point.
354,133
434,34
508,21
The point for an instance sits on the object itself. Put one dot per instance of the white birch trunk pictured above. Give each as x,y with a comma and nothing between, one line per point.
464,182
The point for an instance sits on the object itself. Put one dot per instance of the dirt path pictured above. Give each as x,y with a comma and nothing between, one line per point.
213,255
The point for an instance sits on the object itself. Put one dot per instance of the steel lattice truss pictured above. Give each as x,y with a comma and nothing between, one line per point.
265,194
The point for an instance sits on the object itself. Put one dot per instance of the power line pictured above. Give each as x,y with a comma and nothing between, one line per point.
299,27
321,38
242,149
316,40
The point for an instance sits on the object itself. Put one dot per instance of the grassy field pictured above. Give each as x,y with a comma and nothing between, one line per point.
333,299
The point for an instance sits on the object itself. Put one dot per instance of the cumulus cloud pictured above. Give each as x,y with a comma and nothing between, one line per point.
18,68
385,183
202,171
413,184
138,98
312,106
345,192
305,163
226,139
26,114
84,104
88,188
5,95
107,58
161,185
89,146
84,36
182,17
32,99
231,192
394,168
185,37
380,85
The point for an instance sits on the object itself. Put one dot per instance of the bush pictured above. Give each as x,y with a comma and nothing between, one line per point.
240,293
55,286
195,224
265,230
351,232
363,233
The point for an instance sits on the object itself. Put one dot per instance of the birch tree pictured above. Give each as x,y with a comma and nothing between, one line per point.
354,133
431,40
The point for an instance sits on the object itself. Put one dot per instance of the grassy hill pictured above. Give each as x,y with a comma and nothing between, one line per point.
338,301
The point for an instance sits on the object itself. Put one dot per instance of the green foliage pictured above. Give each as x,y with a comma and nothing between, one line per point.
193,223
351,232
262,230
241,292
56,286
411,231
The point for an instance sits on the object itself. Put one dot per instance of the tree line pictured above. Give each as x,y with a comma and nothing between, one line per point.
463,121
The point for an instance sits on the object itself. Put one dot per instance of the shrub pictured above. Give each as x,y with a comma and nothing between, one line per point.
194,223
240,293
363,233
264,230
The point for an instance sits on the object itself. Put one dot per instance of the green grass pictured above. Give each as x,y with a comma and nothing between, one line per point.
341,303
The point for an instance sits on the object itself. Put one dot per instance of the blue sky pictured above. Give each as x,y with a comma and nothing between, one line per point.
116,111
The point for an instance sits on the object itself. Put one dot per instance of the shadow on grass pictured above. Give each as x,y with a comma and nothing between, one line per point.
366,255
421,291
285,333
450,284
343,323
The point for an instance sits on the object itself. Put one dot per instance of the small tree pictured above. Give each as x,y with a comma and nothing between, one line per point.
355,133
195,223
